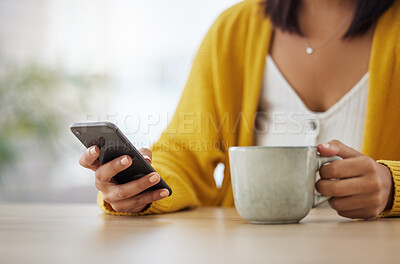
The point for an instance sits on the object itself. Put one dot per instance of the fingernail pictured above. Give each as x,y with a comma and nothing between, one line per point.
154,178
146,158
326,145
164,193
92,150
125,161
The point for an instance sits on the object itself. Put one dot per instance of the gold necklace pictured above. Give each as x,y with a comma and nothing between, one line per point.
310,49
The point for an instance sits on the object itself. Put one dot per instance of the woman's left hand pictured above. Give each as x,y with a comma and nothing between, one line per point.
360,187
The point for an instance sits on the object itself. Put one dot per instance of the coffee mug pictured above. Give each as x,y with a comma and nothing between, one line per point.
275,185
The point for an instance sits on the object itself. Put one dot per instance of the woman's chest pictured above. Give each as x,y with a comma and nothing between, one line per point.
322,78
284,120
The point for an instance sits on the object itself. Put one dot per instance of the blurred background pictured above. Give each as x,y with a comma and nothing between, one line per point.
125,61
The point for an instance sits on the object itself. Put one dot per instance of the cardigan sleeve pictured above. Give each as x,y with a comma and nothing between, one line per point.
188,151
394,167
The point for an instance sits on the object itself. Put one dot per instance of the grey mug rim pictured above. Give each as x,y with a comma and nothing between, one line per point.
235,148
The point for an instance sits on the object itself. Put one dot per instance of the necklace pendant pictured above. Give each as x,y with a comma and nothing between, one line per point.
309,50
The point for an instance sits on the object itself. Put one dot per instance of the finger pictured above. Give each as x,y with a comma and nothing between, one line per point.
126,209
342,188
147,155
88,158
137,203
346,168
335,147
354,202
124,191
365,213
105,172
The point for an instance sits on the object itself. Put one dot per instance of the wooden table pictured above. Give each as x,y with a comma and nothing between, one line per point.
82,234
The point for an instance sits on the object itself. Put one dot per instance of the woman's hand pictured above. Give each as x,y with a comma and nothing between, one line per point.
124,198
360,187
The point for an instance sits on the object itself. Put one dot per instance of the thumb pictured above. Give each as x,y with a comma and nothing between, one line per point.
337,148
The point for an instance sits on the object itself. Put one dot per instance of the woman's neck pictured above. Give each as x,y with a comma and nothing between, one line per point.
317,6
319,18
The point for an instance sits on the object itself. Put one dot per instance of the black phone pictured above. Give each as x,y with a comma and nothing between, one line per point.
113,144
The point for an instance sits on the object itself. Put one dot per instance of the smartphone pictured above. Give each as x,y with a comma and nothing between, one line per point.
113,144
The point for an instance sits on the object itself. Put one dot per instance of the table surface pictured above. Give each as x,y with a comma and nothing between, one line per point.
63,233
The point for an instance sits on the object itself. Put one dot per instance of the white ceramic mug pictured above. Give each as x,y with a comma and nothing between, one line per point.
275,185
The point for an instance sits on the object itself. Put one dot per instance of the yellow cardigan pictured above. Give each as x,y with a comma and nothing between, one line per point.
219,102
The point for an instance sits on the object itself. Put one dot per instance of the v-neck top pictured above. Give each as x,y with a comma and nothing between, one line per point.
284,120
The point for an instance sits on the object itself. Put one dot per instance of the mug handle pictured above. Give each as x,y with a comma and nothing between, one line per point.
321,160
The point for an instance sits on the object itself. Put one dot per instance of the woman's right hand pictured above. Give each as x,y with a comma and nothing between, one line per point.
128,197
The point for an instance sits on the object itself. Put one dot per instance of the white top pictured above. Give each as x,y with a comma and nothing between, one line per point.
284,120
